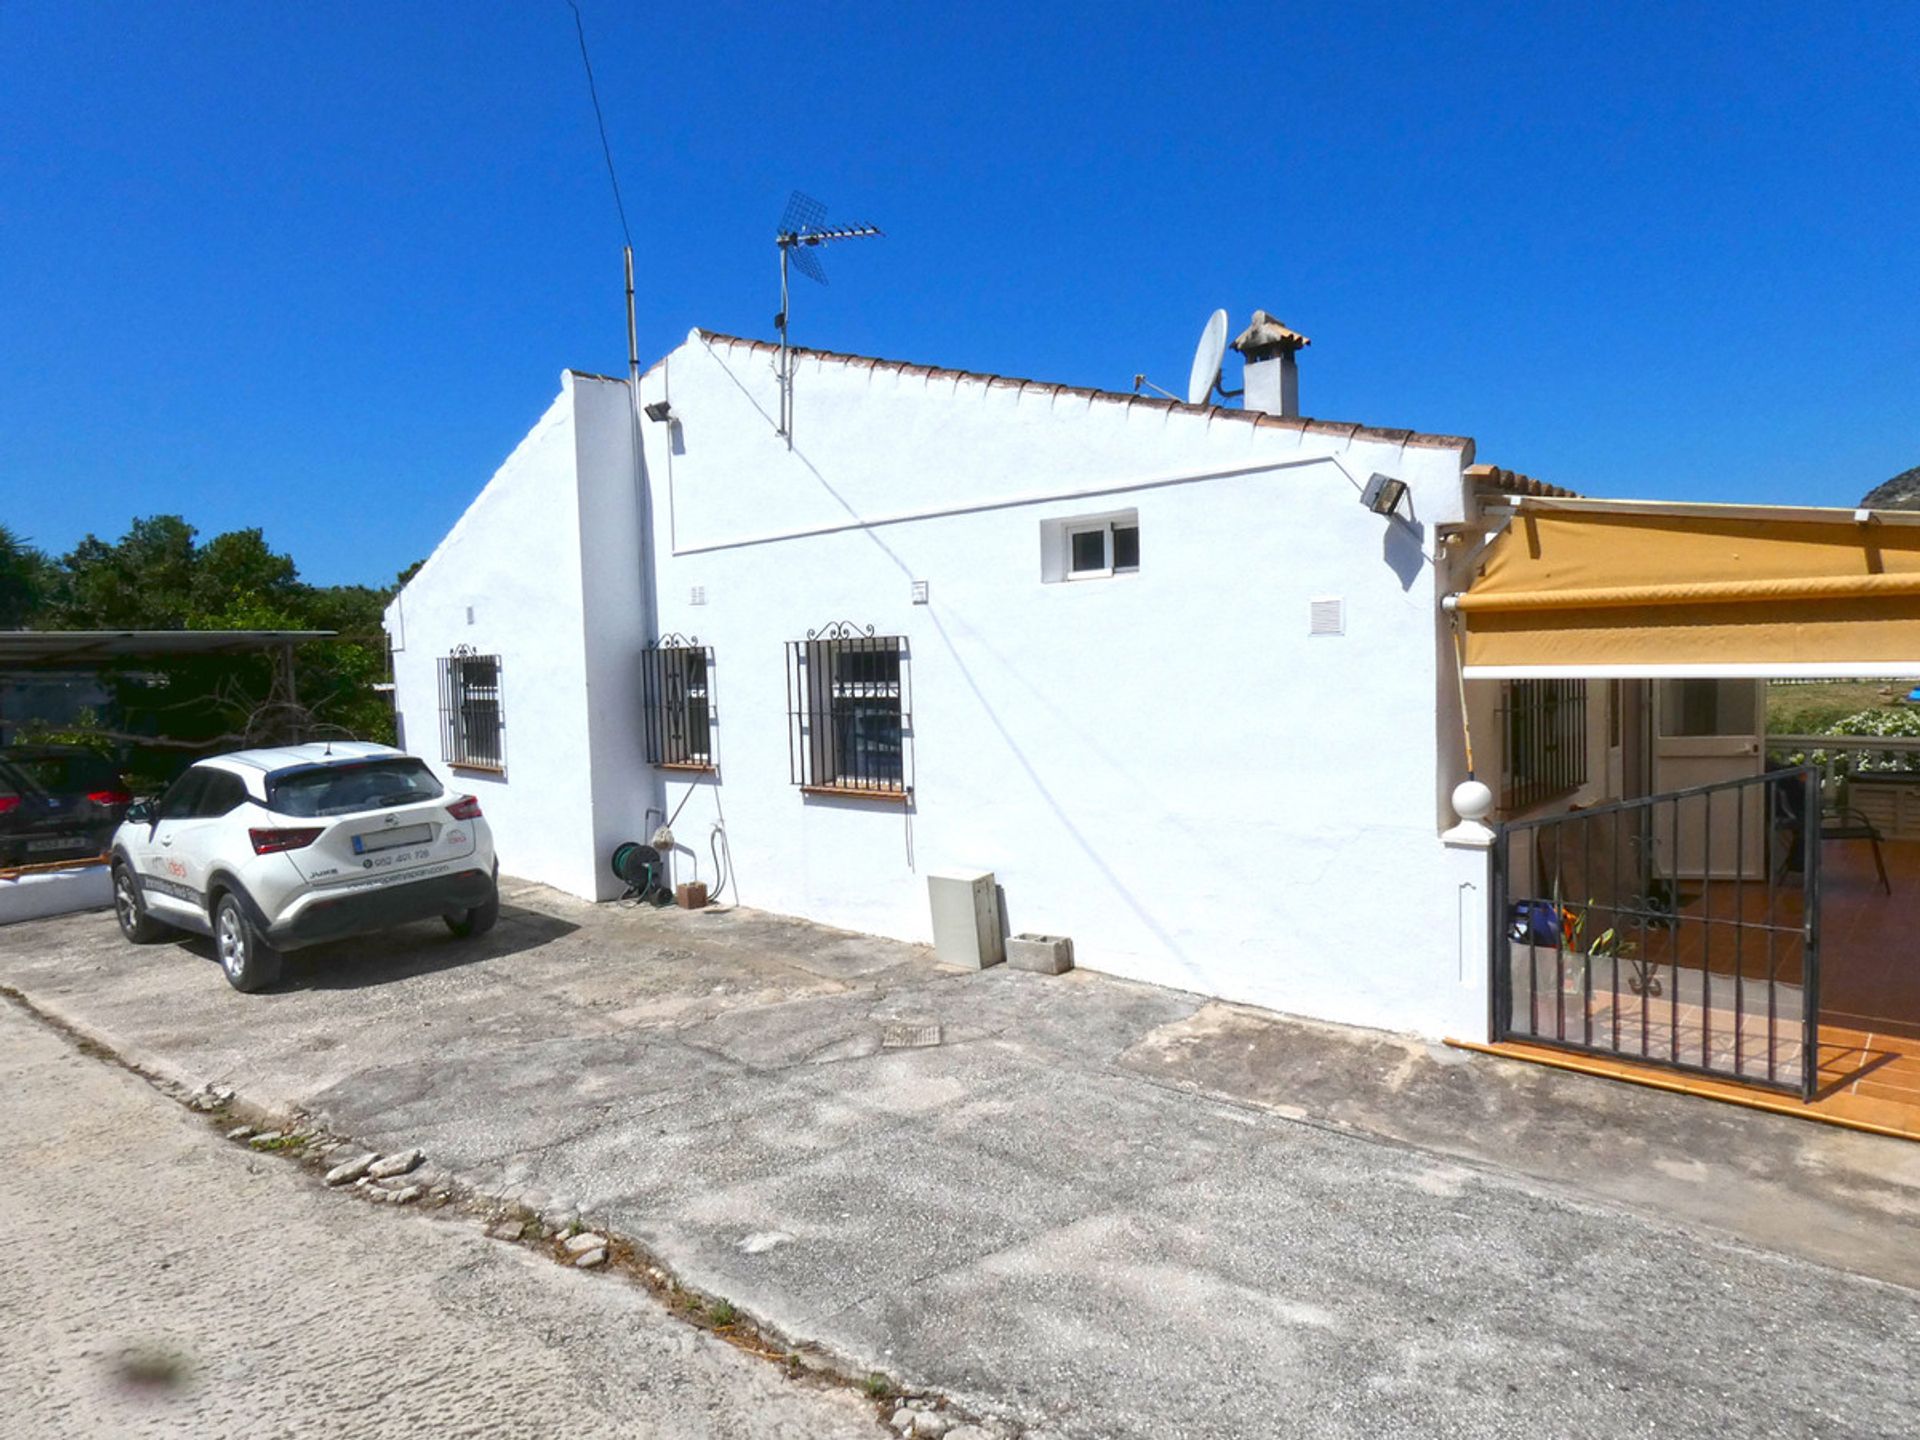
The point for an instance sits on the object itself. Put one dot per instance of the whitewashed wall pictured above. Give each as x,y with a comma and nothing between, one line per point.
1163,766
507,581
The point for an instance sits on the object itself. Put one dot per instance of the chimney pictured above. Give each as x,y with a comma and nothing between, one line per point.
1273,374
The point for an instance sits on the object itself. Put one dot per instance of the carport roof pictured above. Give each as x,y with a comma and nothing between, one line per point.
41,649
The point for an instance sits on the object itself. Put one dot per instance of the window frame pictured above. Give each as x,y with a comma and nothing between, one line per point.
824,702
678,715
1107,529
1060,535
459,704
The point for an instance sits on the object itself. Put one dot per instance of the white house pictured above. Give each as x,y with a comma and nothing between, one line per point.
1156,666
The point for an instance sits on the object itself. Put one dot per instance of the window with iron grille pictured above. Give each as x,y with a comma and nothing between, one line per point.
676,689
849,712
1546,741
471,720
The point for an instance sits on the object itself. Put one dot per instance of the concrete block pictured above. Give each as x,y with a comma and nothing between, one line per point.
966,918
1042,954
690,894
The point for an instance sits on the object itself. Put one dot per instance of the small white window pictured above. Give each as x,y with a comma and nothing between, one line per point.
1092,547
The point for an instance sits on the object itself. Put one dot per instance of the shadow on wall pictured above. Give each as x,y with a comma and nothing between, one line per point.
1404,547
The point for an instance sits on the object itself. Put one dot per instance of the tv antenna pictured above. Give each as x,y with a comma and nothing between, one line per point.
803,229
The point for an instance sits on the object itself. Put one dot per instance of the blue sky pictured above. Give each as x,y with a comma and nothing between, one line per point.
317,268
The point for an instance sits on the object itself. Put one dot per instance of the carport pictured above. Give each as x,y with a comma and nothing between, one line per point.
66,885
1709,920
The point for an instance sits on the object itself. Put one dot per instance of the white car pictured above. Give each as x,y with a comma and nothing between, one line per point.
271,850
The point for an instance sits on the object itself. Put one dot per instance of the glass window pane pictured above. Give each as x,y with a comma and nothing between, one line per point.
1126,547
1089,550
1709,707
321,790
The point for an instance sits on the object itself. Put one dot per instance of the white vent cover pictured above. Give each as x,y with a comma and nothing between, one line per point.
699,595
1327,615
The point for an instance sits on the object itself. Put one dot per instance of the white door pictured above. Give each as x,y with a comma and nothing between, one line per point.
1706,732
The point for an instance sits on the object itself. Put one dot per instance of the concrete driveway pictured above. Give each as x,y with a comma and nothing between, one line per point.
1097,1207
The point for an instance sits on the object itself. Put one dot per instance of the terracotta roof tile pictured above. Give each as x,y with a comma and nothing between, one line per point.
1492,480
1347,430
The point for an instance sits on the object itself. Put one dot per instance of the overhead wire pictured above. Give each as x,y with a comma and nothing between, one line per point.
600,119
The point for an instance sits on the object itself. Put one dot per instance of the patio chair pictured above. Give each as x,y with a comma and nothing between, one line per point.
1840,821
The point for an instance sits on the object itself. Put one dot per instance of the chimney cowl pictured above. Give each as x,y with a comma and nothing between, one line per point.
1267,337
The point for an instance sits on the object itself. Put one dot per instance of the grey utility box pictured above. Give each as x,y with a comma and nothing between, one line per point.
1042,954
966,918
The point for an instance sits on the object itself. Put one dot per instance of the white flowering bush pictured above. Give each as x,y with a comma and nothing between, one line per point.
1895,722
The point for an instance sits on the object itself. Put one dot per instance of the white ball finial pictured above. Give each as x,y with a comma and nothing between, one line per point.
1472,800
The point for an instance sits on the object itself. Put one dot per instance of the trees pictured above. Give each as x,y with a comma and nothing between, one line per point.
160,576
23,580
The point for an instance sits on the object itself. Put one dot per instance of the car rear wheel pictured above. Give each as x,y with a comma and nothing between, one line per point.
248,961
478,920
130,910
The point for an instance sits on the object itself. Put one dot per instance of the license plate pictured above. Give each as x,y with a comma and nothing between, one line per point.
57,843
392,839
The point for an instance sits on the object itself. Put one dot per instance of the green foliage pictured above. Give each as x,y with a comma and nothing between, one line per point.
23,580
159,576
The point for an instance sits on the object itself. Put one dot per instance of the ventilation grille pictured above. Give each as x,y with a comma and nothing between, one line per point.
1327,616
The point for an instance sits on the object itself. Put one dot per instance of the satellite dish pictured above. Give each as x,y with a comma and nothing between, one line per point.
1207,356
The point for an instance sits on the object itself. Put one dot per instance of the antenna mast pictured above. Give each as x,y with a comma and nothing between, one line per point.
803,229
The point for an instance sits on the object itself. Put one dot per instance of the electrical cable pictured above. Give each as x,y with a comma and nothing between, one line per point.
716,840
593,90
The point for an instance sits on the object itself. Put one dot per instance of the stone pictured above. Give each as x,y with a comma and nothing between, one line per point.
504,1230
391,1165
969,1432
268,1137
1040,954
586,1240
240,1132
592,1258
349,1171
405,1195
930,1425
903,1419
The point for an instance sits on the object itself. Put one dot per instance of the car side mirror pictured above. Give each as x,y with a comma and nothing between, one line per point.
140,813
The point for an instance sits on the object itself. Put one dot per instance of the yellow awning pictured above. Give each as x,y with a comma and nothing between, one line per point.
1654,591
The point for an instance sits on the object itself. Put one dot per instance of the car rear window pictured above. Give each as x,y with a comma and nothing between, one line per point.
67,774
313,790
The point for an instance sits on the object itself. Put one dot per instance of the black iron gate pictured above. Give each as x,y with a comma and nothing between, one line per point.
1679,930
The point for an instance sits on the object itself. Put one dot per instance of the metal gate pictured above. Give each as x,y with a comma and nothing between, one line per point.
1679,930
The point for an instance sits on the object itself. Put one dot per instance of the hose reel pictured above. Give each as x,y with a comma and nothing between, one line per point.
643,871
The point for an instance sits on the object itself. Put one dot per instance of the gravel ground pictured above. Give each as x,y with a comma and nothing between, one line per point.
156,1280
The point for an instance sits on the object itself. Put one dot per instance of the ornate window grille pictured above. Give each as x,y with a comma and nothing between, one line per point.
1545,726
472,722
850,712
676,679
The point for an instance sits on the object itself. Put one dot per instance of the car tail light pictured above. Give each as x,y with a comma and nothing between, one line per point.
110,797
467,807
271,842
9,802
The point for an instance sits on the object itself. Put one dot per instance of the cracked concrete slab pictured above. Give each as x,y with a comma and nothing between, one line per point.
1115,1209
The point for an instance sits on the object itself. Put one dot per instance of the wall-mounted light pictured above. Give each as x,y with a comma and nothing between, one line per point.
1383,494
660,412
